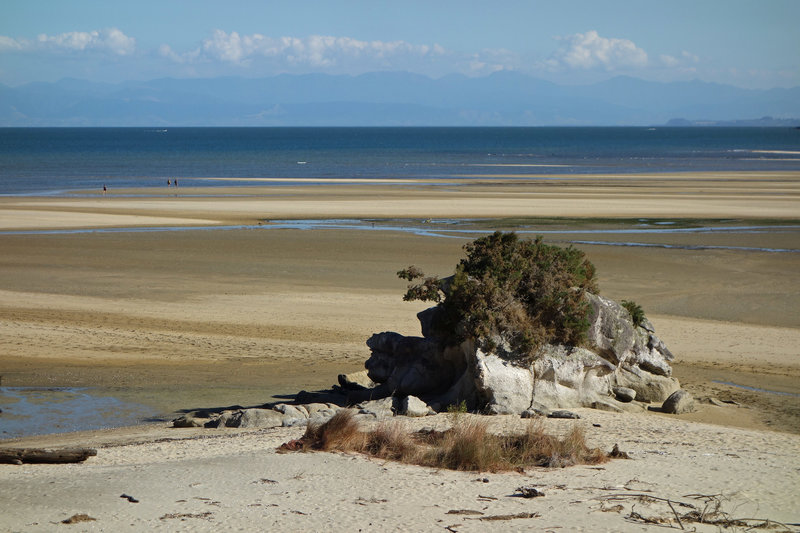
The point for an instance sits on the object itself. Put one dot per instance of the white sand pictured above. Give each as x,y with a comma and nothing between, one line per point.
234,480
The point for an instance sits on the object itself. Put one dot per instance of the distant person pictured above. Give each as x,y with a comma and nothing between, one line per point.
169,183
104,189
175,181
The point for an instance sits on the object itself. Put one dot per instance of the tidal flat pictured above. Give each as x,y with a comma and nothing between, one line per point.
263,294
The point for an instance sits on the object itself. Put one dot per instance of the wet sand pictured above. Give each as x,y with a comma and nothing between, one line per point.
181,319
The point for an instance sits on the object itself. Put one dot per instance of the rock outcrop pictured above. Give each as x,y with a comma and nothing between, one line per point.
618,356
621,367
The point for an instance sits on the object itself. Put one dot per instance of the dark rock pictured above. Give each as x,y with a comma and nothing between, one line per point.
563,414
529,491
534,413
624,394
616,453
410,365
679,402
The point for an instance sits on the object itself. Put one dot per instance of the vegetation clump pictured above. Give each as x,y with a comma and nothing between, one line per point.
468,445
636,311
510,291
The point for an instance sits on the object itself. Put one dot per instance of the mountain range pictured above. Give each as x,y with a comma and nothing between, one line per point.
392,99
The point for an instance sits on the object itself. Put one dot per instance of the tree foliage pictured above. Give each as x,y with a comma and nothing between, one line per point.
513,292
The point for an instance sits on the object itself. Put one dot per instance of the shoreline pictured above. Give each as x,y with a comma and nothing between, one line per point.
714,195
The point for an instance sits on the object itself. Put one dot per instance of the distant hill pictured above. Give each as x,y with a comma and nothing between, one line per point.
763,122
387,99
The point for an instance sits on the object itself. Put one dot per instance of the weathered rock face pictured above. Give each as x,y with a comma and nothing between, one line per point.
570,377
410,365
502,387
641,359
618,354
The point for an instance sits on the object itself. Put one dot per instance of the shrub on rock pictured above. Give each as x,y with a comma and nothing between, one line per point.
510,295
519,326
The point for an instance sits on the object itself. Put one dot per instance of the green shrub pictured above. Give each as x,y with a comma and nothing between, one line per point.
524,292
456,408
636,311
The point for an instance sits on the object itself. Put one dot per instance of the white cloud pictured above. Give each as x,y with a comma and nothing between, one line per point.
669,61
685,59
109,40
317,51
591,51
7,43
491,60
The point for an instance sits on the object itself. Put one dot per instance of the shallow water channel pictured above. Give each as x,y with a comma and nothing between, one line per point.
41,410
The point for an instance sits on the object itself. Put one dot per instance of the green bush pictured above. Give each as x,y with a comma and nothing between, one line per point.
636,311
457,407
524,292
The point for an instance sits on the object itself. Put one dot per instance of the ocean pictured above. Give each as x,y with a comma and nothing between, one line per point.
48,161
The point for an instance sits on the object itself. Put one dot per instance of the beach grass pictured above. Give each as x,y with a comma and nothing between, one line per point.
467,445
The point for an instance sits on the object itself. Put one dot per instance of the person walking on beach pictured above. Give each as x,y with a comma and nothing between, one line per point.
169,183
104,189
175,181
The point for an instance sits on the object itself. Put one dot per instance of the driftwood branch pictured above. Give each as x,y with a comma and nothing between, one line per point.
678,518
18,456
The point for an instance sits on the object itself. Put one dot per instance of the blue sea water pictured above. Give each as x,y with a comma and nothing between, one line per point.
55,160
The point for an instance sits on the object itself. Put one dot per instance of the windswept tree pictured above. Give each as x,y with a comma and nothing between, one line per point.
510,295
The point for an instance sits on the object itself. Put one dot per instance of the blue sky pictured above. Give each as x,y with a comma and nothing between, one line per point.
753,44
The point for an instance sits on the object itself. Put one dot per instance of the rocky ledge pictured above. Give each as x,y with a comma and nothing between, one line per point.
622,367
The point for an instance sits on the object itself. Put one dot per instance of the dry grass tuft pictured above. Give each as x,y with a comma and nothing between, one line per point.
391,441
468,445
339,433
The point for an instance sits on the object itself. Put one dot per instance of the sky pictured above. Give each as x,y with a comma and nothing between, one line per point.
750,44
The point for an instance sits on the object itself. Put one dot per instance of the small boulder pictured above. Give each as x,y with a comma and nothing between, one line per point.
260,418
649,387
607,405
563,414
383,408
293,411
413,406
356,381
679,402
624,394
534,413
227,418
321,409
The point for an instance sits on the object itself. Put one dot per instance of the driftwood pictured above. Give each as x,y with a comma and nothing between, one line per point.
18,456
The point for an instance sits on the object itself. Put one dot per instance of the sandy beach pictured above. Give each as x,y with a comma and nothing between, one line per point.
205,317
